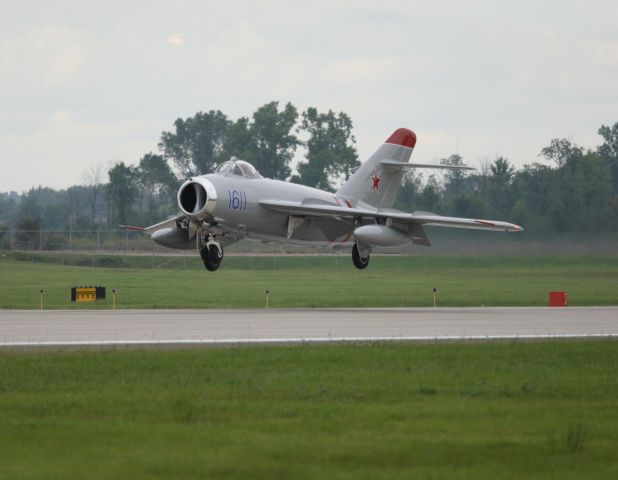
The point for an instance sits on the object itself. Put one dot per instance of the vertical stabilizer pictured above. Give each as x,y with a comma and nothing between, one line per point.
375,183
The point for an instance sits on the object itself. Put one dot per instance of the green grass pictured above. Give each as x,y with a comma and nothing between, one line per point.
391,281
441,411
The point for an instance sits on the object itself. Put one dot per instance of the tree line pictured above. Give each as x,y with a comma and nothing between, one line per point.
571,190
567,189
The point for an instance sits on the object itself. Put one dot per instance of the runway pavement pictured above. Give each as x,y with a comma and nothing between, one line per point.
144,327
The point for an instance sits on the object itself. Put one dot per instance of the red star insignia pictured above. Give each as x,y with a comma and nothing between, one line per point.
376,182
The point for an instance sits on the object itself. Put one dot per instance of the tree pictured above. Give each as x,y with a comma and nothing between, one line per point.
272,139
409,193
121,192
430,196
499,184
501,171
7,208
466,204
92,179
609,150
239,141
75,199
561,150
156,181
28,230
196,144
28,221
453,179
531,185
331,154
585,190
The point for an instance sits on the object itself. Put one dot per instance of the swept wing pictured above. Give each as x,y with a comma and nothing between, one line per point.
419,218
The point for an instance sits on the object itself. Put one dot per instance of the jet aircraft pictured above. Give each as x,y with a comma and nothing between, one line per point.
236,202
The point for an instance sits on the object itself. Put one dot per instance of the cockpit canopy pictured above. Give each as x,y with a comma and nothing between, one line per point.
237,167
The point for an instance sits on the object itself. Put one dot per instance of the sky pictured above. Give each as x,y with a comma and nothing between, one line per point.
86,83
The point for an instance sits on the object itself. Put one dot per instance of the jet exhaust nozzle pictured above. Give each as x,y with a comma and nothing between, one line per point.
197,197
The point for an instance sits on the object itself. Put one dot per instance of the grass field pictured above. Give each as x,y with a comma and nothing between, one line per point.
328,281
440,411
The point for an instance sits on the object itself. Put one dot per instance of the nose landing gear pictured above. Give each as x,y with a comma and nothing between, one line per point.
211,252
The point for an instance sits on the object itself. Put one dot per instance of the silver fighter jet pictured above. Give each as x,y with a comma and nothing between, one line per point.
236,202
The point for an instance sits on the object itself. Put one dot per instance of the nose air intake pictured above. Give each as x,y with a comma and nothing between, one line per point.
192,198
197,198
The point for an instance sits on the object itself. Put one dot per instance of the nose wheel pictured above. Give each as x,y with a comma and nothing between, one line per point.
212,254
360,256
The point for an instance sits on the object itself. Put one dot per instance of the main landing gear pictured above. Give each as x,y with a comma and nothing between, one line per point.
212,253
360,255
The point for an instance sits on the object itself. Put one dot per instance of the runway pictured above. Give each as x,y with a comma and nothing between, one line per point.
177,327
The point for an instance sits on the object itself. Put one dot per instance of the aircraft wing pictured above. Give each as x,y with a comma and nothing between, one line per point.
419,218
316,209
457,222
169,223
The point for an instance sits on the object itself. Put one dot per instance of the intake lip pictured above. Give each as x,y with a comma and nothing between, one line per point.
197,197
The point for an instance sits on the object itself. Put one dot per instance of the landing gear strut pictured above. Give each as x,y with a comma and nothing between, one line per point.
360,256
212,253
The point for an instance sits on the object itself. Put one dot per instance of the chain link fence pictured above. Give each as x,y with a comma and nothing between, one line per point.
127,242
114,248
119,247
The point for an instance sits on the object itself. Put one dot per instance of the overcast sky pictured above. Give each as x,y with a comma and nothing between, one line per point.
86,82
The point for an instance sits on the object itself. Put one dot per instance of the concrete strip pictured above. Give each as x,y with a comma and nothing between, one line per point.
152,327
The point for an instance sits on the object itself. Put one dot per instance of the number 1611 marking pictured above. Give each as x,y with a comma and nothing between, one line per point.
237,200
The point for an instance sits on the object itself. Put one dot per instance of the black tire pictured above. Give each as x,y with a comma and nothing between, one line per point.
212,257
359,262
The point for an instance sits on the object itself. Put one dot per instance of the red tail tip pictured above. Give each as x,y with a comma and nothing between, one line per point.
403,137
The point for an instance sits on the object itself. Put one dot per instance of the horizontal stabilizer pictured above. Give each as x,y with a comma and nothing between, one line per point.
400,165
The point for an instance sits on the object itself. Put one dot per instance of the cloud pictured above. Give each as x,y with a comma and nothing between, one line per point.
38,61
79,84
62,146
62,121
176,39
65,65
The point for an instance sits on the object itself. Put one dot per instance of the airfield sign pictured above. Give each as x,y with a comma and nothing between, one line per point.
87,294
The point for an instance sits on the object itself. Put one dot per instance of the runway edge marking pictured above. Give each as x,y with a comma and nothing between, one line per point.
219,341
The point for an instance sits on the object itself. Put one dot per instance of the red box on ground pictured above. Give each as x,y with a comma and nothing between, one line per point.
558,299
